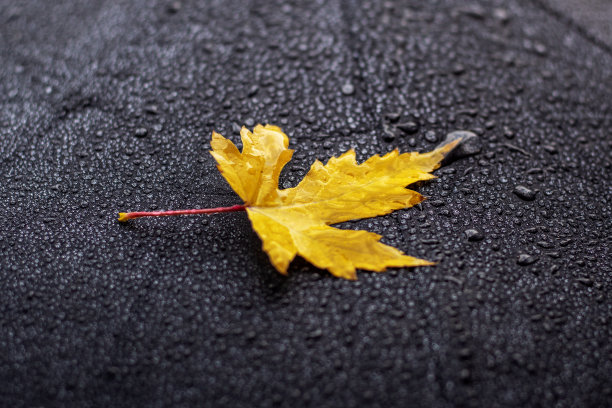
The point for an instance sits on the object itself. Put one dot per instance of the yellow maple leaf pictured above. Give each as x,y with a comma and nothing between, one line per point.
296,221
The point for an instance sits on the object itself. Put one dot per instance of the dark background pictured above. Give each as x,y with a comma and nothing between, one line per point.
108,106
594,17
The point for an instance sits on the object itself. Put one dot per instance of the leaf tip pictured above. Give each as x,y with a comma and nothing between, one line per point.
444,149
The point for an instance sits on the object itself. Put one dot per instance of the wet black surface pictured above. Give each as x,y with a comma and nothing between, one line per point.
593,17
108,106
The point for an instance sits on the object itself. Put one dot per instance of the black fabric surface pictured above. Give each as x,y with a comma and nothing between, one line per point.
108,106
592,17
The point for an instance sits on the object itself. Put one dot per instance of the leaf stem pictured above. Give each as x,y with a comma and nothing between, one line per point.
131,215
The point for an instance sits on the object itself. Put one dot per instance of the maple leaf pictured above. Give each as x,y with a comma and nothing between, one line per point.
296,221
